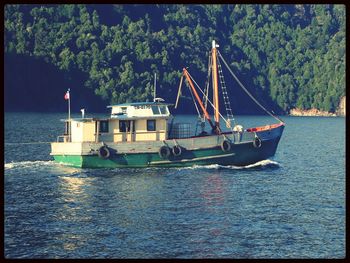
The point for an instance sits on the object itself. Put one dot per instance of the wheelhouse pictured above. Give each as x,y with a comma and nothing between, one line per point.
129,122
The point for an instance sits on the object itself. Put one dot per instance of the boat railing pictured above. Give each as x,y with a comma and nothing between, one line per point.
264,128
135,132
129,135
108,136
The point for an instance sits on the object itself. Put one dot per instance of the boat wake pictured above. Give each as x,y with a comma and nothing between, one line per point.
27,164
260,165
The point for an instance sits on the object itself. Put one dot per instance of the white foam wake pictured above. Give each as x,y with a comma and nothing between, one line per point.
258,164
262,163
27,164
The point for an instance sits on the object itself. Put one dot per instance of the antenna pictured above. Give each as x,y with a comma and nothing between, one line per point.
154,90
155,87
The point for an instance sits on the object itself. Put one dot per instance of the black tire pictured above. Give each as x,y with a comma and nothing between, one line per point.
257,142
103,152
164,152
225,146
177,150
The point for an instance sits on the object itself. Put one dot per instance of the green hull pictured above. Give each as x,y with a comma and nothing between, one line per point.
239,155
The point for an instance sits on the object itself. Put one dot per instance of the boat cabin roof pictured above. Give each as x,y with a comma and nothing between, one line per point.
86,119
122,117
137,110
133,111
138,104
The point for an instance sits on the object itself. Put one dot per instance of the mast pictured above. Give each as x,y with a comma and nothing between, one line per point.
215,84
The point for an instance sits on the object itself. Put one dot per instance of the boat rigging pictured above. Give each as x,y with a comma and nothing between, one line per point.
216,74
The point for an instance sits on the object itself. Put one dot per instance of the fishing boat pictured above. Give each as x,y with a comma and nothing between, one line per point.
144,134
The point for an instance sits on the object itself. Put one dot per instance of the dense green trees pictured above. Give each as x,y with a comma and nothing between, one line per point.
288,55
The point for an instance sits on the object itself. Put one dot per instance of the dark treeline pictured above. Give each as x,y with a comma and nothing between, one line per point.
286,55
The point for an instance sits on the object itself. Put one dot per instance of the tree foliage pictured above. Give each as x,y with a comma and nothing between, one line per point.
291,55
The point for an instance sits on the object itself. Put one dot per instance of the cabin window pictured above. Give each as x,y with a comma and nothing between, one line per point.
124,110
162,109
66,128
103,126
151,125
155,110
124,126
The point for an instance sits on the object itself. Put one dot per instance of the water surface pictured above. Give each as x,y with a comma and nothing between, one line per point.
291,206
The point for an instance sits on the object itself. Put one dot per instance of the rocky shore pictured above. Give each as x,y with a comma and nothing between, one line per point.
341,111
310,112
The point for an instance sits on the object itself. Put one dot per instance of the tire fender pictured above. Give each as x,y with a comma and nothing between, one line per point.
164,152
225,146
176,150
103,152
257,142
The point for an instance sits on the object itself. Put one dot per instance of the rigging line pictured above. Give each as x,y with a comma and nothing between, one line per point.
228,109
227,122
206,88
195,104
207,97
249,94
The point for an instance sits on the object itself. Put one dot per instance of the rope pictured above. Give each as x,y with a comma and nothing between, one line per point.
227,103
227,123
246,91
195,104
206,88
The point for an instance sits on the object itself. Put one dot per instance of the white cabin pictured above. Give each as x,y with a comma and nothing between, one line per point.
129,122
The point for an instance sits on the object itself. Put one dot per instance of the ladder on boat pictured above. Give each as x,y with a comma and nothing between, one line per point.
228,109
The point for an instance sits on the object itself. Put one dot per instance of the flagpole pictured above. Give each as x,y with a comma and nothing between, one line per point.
69,121
69,105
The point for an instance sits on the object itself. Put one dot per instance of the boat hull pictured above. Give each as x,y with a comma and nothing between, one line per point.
240,154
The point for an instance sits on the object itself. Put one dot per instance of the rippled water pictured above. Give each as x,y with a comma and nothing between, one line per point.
292,206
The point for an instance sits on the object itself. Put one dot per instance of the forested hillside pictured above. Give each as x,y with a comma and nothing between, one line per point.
287,55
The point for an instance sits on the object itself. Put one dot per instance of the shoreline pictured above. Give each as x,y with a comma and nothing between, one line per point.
313,113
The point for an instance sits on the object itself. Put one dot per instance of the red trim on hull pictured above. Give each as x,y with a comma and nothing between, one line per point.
265,128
